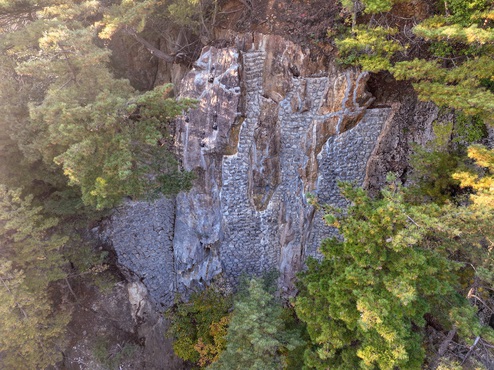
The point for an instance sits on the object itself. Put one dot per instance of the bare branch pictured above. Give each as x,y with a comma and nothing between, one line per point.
470,350
154,51
442,349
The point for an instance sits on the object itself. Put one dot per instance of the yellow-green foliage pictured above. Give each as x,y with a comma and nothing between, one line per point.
377,6
466,36
468,129
370,6
476,231
483,186
458,74
135,14
439,28
376,283
432,167
186,13
461,87
257,336
368,47
31,329
198,326
82,115
129,13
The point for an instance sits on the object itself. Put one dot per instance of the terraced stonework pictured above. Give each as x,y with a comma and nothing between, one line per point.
272,125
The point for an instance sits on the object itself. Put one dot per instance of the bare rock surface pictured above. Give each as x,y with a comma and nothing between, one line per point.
142,234
119,328
273,122
294,127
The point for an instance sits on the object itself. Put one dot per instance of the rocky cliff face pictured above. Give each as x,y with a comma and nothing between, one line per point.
272,124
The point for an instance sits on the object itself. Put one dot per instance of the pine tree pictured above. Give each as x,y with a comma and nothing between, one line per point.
470,227
364,303
256,334
179,19
368,47
459,72
31,329
28,240
76,115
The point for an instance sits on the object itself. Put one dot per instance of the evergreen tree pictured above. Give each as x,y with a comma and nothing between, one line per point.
432,167
27,237
31,329
369,47
470,228
180,19
76,115
459,72
364,303
256,334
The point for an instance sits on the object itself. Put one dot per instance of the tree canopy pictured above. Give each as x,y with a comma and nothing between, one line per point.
256,335
64,109
365,302
458,70
74,139
31,329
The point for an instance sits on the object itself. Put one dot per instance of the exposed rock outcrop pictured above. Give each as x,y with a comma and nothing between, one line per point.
142,234
272,124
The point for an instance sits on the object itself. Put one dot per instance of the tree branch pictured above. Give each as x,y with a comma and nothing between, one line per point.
442,349
154,51
71,67
17,304
470,350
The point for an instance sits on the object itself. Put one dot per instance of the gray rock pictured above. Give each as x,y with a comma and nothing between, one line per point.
259,140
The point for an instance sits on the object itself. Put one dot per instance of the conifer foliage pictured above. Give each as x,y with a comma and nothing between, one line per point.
256,335
70,133
31,329
75,114
476,235
364,303
457,72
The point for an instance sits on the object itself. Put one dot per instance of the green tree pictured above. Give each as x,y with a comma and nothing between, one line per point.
472,224
458,70
27,237
364,303
198,326
432,168
179,19
460,75
76,115
369,47
432,165
257,336
31,329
